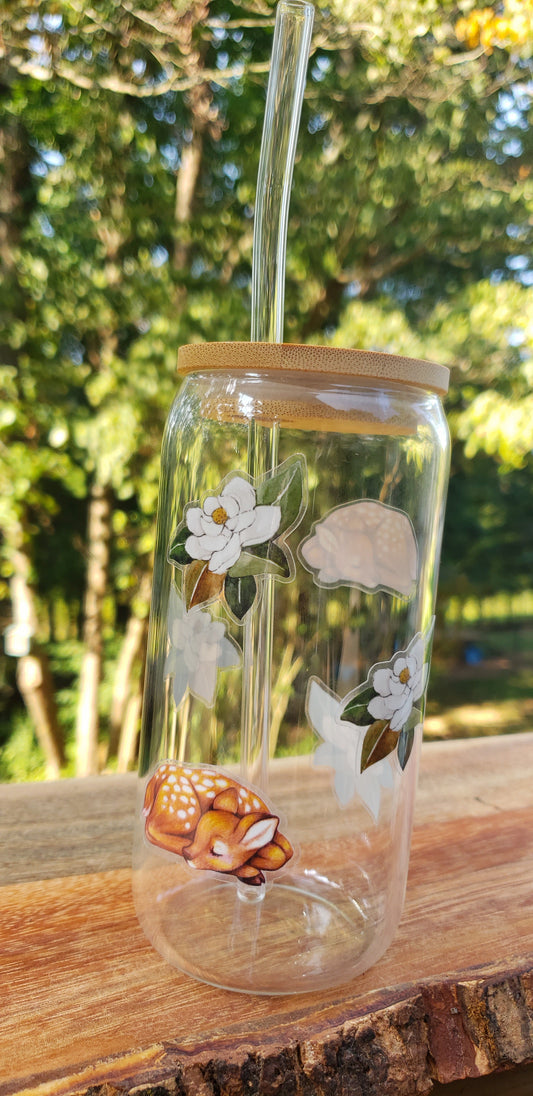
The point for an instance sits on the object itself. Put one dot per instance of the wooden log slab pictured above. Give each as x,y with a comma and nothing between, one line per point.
90,1008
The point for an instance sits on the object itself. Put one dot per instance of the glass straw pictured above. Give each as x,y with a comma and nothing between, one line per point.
290,53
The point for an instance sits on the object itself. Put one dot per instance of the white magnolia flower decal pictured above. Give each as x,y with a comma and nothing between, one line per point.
199,648
341,750
364,544
399,684
228,544
226,523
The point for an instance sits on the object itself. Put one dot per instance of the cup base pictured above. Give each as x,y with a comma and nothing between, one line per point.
297,935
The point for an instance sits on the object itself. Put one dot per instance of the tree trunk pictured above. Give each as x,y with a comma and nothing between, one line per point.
34,679
186,180
87,723
203,119
131,652
127,749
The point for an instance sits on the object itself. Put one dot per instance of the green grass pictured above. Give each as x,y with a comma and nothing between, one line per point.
493,697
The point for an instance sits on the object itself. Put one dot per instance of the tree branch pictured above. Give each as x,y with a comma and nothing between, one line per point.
120,86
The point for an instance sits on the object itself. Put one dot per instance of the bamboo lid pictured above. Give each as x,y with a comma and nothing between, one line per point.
294,357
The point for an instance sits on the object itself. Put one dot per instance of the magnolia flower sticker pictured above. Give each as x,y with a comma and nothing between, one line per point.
227,543
365,544
199,648
341,750
226,523
398,685
384,705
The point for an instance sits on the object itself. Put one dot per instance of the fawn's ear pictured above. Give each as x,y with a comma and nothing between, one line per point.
227,800
254,830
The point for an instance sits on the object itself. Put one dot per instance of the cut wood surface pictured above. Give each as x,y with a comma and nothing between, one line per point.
89,1006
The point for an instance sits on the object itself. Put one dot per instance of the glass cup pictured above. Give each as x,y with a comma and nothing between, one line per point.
299,528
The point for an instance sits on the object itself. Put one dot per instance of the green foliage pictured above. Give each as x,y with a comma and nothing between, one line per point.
20,755
410,231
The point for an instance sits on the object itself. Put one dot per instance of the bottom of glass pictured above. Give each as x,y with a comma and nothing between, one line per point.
295,935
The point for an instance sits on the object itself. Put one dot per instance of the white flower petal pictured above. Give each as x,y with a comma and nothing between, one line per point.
401,663
241,521
402,714
203,681
229,654
416,650
412,665
180,680
370,792
195,547
190,657
325,755
415,683
381,680
199,646
380,707
420,683
216,628
203,547
176,608
242,491
332,730
370,783
397,687
230,505
266,523
322,708
226,556
212,528
211,503
193,518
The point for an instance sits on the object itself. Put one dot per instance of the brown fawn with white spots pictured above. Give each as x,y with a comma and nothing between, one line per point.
213,821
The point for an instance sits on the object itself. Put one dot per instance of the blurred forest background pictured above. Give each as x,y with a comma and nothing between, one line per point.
129,147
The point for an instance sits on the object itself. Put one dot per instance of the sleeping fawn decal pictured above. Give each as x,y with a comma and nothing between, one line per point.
214,822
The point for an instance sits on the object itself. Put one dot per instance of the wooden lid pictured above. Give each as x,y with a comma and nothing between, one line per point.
294,357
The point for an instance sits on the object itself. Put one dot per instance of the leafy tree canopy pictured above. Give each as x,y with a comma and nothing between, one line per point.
129,149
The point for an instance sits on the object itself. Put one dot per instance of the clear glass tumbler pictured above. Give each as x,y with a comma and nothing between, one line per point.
299,529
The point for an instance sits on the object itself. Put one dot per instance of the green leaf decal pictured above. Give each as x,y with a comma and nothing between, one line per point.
407,737
251,564
356,711
405,745
274,554
379,742
201,585
240,594
285,489
177,552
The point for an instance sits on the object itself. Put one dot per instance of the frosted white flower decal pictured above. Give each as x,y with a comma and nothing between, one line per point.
365,544
199,648
399,684
341,750
234,537
226,523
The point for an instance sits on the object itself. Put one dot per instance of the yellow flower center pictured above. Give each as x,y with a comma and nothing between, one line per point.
405,675
219,516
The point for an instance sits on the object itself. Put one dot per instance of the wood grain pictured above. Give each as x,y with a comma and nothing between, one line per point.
89,1007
